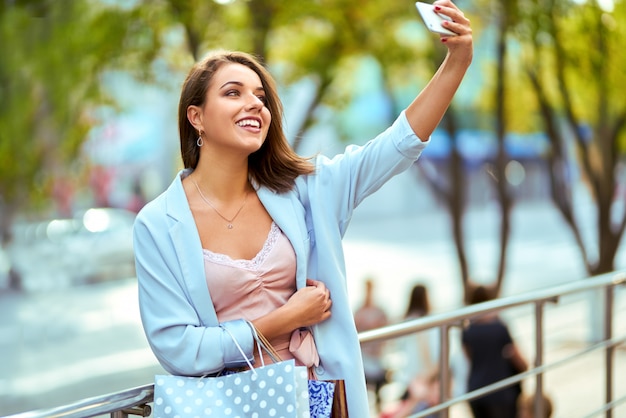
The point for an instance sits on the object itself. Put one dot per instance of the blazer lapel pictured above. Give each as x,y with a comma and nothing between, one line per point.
184,236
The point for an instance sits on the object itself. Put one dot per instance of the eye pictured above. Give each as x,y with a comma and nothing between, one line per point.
232,93
262,98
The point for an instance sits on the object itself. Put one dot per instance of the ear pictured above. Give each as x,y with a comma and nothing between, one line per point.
194,116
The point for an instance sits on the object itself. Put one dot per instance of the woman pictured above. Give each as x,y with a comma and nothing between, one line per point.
419,373
493,356
421,349
367,317
249,230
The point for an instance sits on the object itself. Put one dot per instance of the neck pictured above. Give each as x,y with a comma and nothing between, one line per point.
221,183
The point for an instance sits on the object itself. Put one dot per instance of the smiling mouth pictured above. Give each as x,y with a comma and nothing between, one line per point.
253,123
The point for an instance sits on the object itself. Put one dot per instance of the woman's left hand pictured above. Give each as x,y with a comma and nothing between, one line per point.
309,305
462,42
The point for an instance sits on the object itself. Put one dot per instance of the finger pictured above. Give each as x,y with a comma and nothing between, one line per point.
450,10
445,3
321,286
457,27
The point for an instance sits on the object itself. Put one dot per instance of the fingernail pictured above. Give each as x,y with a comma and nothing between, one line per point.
444,39
437,8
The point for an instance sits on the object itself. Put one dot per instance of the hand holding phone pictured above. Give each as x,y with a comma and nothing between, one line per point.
432,19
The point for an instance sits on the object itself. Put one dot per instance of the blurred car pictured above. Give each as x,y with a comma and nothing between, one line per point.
93,246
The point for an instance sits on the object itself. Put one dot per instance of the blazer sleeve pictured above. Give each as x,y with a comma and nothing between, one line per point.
348,178
178,338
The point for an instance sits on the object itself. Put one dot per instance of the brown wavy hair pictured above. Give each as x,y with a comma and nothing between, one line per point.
418,302
275,165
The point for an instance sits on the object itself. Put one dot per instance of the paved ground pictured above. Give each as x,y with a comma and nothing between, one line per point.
66,345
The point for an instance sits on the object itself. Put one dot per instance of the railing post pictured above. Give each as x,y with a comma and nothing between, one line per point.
608,334
538,404
444,366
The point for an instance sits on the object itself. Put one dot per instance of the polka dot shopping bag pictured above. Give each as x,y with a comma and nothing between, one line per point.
277,390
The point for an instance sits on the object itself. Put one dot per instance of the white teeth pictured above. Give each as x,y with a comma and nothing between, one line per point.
249,122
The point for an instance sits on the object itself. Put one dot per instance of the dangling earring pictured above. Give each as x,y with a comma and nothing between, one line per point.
200,141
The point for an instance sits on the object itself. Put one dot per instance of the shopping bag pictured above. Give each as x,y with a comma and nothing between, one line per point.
340,401
302,393
327,398
321,394
274,390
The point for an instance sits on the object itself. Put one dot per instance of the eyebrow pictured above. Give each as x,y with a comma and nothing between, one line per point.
239,83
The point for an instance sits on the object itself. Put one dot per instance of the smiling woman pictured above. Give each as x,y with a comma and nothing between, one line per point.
250,233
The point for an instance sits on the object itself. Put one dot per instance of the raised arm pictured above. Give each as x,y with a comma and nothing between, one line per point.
426,111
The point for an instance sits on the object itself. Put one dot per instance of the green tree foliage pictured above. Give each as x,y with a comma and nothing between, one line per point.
54,54
51,75
567,53
575,60
557,66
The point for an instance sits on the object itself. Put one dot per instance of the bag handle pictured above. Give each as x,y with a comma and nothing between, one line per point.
241,349
263,342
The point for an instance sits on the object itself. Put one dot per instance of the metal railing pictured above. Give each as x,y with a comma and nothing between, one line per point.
137,401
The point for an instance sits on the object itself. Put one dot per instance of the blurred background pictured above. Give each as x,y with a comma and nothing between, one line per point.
522,187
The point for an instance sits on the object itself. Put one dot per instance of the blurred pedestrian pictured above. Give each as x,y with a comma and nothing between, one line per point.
137,199
420,350
492,356
423,393
63,192
371,316
101,181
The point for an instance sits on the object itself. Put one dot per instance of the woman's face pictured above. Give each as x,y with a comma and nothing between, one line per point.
234,116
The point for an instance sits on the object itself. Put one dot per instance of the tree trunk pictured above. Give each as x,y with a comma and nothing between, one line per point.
456,197
502,189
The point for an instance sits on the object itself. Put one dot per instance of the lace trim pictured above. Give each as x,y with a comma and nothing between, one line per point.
226,260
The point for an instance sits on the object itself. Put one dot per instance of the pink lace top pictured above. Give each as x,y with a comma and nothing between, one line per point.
252,288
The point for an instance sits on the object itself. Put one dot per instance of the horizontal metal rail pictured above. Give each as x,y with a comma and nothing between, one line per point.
113,403
459,316
136,401
607,407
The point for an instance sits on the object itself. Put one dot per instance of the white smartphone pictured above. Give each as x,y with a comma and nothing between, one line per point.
432,19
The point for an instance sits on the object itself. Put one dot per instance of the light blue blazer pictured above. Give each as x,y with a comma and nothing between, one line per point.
175,304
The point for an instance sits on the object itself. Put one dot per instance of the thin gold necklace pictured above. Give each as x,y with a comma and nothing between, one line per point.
229,224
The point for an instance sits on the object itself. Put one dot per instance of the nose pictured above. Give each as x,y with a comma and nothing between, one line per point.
254,103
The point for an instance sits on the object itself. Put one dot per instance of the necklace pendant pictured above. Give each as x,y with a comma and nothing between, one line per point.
229,224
